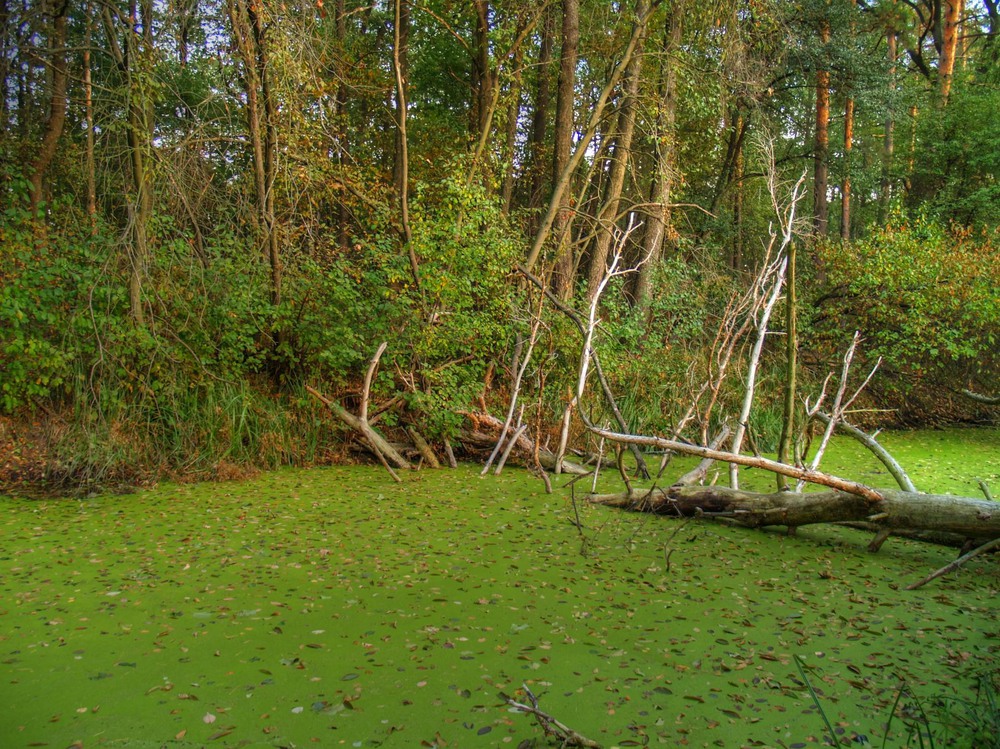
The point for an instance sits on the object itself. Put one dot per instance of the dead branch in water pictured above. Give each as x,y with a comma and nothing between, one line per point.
550,726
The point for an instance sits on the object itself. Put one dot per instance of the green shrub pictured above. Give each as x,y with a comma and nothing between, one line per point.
924,297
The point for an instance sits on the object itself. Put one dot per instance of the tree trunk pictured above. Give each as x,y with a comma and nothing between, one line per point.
845,185
251,45
539,119
57,101
270,149
139,127
665,168
620,157
885,191
562,144
5,51
88,96
563,182
482,79
896,510
343,130
737,134
401,154
845,197
949,49
510,141
791,367
739,174
821,209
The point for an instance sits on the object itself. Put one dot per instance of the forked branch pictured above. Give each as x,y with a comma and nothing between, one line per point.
550,726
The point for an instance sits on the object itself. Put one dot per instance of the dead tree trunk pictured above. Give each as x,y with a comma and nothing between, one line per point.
895,510
486,427
384,451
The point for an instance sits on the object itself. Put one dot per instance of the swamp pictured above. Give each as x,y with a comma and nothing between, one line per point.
267,265
334,607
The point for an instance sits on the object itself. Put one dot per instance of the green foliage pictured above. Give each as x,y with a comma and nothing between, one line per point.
467,252
45,282
647,350
924,297
179,391
976,720
957,177
317,325
216,364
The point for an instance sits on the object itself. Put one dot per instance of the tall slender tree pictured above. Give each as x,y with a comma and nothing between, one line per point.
621,153
55,11
664,169
888,142
952,20
540,114
251,42
563,141
821,147
845,185
134,56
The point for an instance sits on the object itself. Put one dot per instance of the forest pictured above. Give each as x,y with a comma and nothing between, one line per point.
220,215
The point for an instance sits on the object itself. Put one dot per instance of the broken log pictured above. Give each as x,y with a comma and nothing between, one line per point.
378,444
423,448
526,447
895,510
989,400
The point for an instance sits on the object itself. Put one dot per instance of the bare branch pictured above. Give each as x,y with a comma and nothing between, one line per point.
877,450
550,726
797,472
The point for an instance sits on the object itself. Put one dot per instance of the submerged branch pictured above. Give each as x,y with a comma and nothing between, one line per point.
550,726
988,546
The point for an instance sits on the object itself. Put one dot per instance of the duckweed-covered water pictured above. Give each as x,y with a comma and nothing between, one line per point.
332,607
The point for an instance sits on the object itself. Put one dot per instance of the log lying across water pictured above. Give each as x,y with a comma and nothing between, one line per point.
895,510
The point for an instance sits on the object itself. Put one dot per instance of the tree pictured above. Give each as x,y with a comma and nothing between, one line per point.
134,57
620,156
250,39
821,150
562,144
952,12
56,10
664,169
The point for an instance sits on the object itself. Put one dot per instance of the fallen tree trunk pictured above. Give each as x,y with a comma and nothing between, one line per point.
895,510
989,400
526,447
379,445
